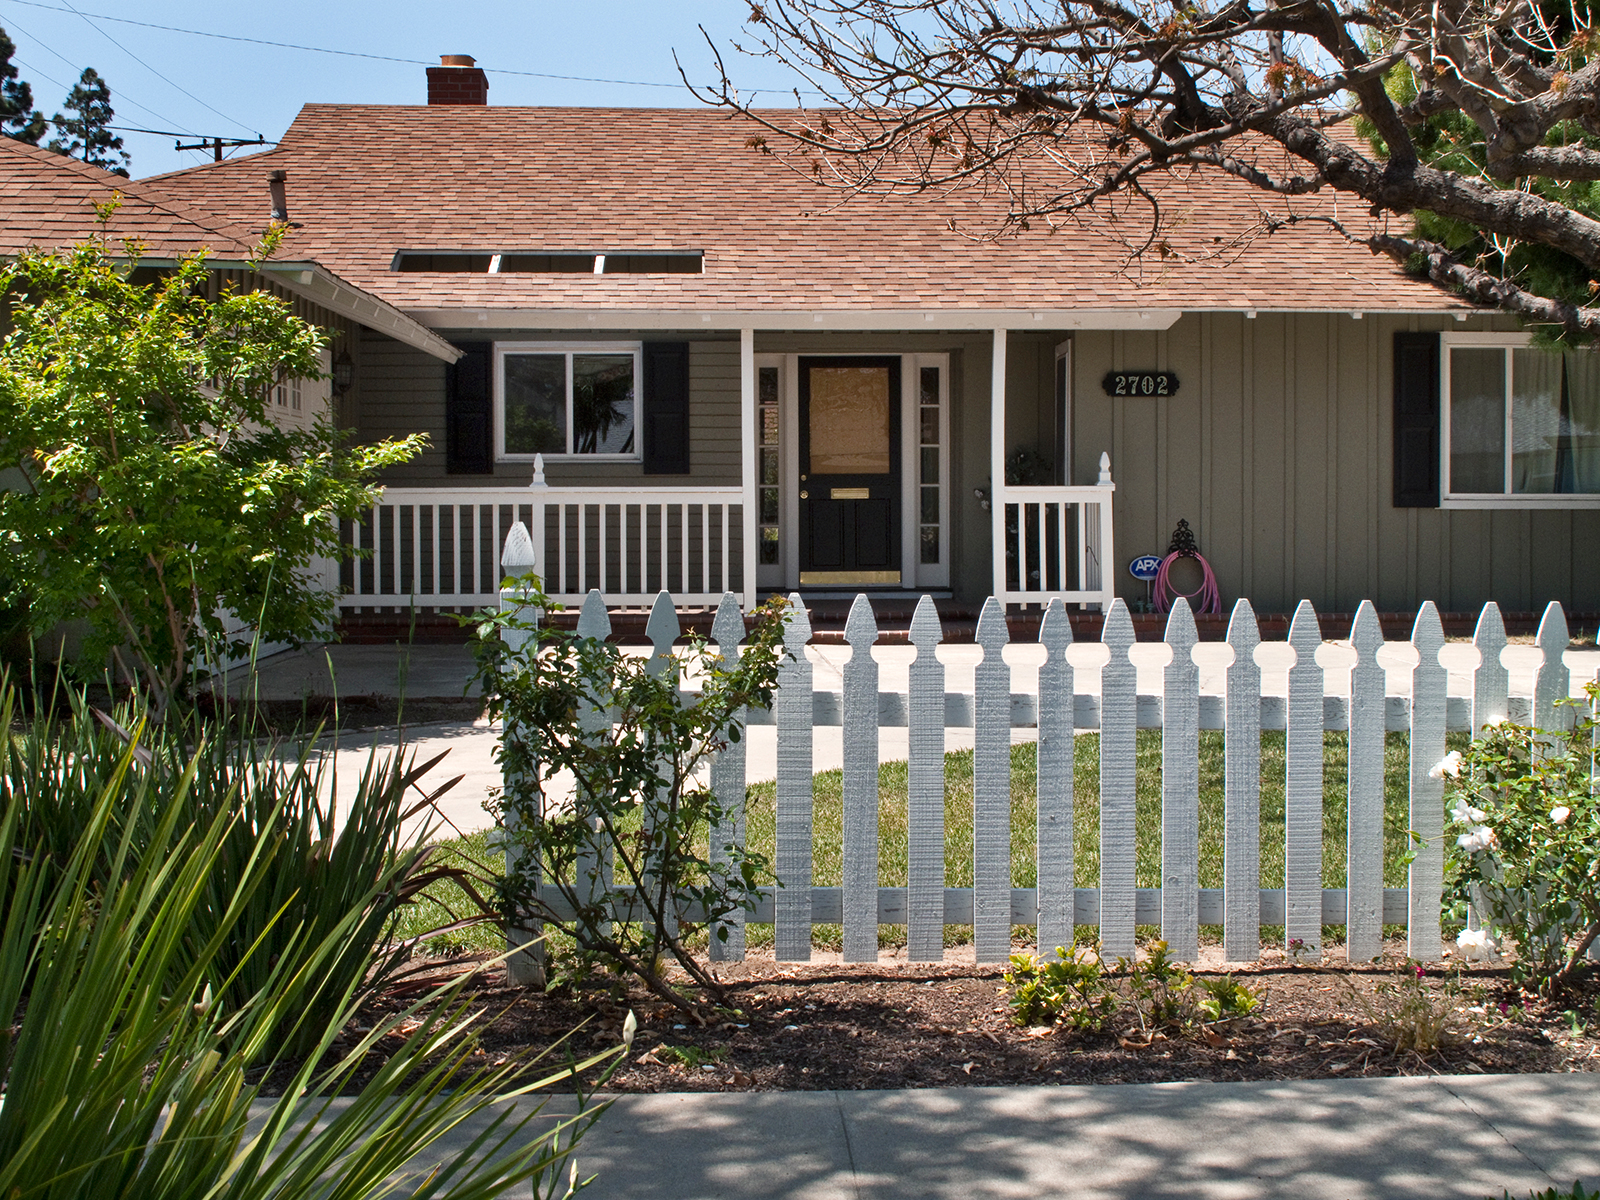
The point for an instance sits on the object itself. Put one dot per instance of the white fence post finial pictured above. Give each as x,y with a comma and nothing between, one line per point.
1105,469
538,480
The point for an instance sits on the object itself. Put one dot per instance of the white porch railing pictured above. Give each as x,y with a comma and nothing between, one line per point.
441,547
1058,543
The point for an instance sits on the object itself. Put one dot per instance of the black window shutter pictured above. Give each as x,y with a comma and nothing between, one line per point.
1416,420
666,408
468,412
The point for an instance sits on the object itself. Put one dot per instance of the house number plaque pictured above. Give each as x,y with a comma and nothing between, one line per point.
1140,383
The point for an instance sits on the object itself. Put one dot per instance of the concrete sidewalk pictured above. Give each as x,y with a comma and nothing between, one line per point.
1360,1139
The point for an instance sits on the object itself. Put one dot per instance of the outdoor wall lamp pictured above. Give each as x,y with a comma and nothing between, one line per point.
344,373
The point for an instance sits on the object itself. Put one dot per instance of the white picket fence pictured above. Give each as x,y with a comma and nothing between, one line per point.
1055,906
439,547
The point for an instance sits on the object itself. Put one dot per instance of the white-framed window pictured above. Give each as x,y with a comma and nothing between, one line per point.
567,398
1521,424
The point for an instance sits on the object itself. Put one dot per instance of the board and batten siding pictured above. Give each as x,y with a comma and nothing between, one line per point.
401,390
1277,449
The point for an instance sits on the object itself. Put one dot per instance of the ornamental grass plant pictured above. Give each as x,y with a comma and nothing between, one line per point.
353,869
134,1039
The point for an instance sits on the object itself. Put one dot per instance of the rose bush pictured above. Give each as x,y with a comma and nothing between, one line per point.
1526,854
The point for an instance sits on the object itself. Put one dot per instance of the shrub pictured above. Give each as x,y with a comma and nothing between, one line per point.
635,840
1077,991
1527,844
1407,1012
1070,989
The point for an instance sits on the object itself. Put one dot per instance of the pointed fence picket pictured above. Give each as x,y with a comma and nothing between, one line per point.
1302,792
1241,792
860,849
992,906
1118,781
925,791
727,778
1180,787
792,710
1364,891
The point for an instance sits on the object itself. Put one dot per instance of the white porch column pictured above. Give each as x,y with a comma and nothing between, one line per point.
748,460
997,459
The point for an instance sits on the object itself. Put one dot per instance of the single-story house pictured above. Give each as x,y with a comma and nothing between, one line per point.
684,363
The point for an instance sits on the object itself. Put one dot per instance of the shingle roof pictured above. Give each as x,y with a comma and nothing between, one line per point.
48,201
366,181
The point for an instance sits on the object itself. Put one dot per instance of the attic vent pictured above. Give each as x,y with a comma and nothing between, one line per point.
529,262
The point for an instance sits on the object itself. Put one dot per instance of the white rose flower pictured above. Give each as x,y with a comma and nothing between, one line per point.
1479,838
1473,943
1468,815
1449,765
1559,814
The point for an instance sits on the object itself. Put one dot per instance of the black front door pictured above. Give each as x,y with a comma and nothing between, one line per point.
849,472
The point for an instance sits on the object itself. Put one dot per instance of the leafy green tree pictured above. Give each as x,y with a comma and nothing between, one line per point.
18,118
86,132
155,493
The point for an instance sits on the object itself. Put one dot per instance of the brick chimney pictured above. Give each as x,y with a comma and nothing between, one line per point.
457,80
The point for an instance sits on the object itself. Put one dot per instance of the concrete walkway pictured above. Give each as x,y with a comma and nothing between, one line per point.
1360,1139
424,672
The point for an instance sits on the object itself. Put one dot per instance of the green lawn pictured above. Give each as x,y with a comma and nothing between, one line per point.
958,827
828,814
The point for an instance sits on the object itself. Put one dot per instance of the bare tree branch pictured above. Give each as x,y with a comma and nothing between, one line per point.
1480,115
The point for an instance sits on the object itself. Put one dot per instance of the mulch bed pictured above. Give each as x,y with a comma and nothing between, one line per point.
831,1025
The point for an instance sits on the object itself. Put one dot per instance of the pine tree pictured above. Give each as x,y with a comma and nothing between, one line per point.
18,118
86,133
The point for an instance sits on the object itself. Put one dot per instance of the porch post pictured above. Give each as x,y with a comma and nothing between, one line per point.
747,460
997,460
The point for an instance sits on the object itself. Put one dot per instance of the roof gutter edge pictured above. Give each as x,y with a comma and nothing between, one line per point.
316,283
792,320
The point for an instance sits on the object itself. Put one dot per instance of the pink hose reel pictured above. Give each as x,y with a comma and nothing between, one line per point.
1208,597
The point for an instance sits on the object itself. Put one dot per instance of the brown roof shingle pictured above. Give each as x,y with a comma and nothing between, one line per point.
366,181
48,201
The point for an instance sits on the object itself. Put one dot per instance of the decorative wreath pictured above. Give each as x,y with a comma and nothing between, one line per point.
1208,599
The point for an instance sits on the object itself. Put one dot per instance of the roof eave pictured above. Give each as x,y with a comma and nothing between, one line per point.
316,283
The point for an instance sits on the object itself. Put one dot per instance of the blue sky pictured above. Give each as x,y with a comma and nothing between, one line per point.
201,86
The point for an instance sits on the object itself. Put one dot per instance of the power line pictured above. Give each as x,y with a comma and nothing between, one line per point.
412,62
171,82
124,96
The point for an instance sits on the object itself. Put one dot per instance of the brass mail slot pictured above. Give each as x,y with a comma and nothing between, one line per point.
849,493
